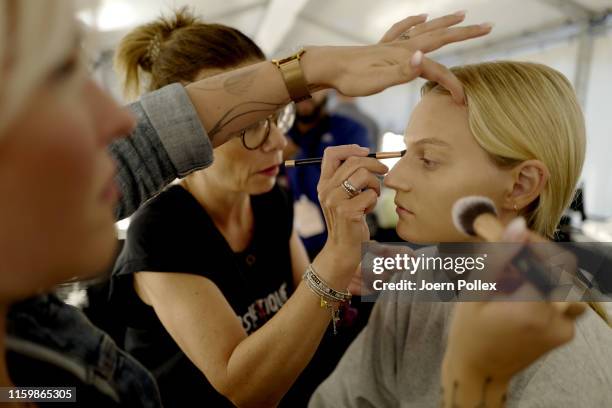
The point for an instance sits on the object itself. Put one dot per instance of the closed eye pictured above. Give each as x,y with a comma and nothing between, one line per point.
428,164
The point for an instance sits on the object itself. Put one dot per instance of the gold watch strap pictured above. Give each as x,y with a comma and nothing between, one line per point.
294,77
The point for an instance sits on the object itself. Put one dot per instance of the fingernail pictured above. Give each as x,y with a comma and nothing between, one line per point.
460,13
487,25
416,59
424,15
515,230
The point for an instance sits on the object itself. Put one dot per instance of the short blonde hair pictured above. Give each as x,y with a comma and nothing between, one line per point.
35,36
519,111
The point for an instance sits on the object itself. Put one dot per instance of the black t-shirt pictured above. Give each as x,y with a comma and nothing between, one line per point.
173,233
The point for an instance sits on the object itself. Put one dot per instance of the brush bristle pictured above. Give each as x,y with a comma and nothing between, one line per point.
467,209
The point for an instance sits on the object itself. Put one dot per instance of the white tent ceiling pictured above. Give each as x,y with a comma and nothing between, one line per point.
573,36
282,24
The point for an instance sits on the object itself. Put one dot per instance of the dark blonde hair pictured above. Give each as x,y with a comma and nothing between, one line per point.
176,48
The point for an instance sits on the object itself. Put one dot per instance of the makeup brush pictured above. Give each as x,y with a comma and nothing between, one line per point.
477,216
319,160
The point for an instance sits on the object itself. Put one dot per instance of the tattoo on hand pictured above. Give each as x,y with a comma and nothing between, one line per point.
483,397
453,401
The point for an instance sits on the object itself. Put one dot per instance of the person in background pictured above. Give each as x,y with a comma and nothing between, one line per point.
316,129
347,106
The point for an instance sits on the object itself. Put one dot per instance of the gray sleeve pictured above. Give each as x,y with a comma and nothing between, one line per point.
366,375
168,142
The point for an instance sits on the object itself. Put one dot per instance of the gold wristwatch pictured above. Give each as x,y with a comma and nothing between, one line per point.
293,76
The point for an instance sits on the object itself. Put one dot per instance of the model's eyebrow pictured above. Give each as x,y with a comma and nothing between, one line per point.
429,140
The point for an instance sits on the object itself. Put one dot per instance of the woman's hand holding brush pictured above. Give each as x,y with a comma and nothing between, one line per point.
490,342
348,189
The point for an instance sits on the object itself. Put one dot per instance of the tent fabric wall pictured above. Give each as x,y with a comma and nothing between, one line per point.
597,172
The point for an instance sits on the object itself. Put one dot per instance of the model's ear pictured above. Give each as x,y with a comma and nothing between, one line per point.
530,178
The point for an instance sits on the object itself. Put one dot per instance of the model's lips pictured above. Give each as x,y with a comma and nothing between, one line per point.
270,171
402,210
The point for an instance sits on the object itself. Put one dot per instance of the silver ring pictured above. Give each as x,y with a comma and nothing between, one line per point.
350,189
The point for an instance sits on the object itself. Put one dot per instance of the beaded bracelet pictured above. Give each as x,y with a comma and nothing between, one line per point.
331,299
311,276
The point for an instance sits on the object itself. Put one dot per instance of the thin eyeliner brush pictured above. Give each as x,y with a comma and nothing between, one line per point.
319,160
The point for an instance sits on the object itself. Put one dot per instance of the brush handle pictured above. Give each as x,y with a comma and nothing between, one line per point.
488,227
533,270
319,160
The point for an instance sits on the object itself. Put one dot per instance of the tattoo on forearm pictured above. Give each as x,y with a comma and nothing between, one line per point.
241,110
240,83
235,84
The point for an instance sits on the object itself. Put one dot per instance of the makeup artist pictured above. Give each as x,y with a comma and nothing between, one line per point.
220,298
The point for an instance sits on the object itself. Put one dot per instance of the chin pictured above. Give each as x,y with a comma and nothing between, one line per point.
99,254
262,187
429,234
413,238
414,235
407,233
101,261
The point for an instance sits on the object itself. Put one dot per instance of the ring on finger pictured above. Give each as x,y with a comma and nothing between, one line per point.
350,189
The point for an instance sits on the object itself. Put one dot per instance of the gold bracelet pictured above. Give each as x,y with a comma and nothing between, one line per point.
293,76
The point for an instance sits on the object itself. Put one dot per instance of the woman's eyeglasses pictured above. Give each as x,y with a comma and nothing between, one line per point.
257,134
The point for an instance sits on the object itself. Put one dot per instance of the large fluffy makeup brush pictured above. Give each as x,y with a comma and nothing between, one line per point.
477,216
